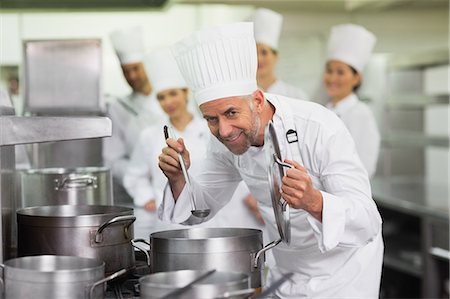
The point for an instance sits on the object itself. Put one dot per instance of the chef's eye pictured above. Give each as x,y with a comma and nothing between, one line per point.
231,114
211,120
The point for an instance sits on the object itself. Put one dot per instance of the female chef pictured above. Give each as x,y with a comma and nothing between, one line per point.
349,49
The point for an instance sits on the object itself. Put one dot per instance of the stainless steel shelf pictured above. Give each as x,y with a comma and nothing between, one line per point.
413,139
419,59
415,101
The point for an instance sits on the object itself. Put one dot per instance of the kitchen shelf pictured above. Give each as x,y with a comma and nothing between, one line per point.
415,101
419,59
413,139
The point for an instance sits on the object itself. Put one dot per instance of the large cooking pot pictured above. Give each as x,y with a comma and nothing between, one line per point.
224,249
213,285
99,232
66,186
50,276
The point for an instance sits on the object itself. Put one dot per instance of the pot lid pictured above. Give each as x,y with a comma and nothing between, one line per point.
275,174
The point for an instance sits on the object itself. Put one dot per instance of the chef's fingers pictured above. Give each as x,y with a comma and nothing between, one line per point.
295,164
293,175
177,145
169,163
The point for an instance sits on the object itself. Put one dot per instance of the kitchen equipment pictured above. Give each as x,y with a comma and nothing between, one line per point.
100,232
66,186
275,174
50,276
274,286
207,285
23,130
168,132
224,249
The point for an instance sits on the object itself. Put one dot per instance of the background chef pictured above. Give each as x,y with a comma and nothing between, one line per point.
130,114
267,30
349,50
336,246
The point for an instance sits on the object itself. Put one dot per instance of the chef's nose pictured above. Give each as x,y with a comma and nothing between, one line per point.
225,128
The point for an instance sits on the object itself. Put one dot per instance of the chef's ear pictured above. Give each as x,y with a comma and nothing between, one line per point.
258,99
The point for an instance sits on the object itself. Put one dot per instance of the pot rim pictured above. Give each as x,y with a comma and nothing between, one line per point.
62,170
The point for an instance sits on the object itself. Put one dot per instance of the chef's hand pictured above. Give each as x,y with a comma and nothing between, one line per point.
252,205
170,165
150,206
297,189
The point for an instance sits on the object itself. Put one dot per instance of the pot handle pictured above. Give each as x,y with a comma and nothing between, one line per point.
267,247
76,181
147,256
130,218
106,279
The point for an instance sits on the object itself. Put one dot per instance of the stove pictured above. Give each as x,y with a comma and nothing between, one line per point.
128,287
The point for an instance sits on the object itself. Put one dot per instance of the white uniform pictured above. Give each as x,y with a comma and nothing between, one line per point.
144,180
282,88
339,257
362,125
129,116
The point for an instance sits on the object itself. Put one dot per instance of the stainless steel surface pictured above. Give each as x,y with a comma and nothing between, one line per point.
51,276
72,77
274,286
412,195
275,174
186,288
21,130
169,133
100,232
216,284
66,186
224,249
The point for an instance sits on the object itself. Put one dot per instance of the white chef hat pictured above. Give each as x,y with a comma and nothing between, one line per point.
267,25
163,70
128,45
351,44
219,62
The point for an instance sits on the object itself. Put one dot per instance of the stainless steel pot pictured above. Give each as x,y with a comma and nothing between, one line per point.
64,186
224,249
99,232
50,276
216,285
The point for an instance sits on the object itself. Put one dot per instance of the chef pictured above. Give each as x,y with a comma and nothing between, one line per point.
349,49
336,246
129,115
267,29
143,179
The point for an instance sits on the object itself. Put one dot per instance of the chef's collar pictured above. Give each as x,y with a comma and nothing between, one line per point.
343,105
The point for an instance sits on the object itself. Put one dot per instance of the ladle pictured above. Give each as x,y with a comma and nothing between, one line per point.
169,133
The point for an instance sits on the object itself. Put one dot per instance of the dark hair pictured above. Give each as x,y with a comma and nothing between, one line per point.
355,72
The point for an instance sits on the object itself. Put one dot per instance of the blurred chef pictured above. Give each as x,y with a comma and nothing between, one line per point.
349,49
143,179
336,246
267,29
129,115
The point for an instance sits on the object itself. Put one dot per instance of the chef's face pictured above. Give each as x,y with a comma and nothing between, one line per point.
235,121
267,58
173,101
340,79
135,75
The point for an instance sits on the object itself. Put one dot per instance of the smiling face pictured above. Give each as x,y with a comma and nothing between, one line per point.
340,80
173,101
267,59
236,121
135,75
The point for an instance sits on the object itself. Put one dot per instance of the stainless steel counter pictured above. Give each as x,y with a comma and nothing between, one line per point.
412,195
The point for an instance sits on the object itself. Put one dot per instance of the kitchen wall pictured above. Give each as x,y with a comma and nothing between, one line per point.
303,38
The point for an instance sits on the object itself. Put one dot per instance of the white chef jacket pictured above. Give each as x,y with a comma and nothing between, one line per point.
129,116
144,180
362,125
338,257
280,87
